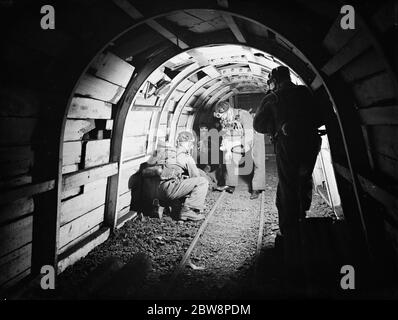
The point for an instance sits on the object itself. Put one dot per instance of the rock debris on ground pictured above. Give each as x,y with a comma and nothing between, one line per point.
222,263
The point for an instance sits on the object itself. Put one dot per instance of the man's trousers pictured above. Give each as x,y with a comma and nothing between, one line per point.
295,159
258,165
258,155
196,188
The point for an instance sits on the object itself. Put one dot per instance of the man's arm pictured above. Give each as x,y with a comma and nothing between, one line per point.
193,170
188,162
263,121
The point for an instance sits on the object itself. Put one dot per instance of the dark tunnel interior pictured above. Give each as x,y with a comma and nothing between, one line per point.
85,102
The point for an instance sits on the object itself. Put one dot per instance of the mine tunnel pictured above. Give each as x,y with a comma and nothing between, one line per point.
86,102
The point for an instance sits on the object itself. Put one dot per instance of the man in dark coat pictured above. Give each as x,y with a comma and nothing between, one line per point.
289,114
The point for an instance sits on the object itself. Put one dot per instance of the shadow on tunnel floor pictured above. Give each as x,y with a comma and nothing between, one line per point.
261,279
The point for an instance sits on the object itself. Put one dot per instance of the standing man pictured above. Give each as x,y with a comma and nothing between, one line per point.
238,137
258,155
180,178
290,115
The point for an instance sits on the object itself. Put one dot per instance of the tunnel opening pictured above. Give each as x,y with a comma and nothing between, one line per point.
179,94
88,187
165,105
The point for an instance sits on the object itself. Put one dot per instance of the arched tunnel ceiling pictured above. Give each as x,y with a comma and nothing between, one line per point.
218,72
223,55
198,78
54,75
219,58
213,70
190,29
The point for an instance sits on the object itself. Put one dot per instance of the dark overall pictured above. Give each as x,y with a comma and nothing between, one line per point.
295,158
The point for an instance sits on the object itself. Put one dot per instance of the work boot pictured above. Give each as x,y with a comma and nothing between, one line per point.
255,194
157,210
230,189
189,214
176,207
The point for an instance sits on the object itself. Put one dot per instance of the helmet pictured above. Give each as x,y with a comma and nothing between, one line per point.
279,74
220,108
185,136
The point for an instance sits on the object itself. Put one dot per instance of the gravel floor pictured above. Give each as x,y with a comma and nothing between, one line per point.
226,251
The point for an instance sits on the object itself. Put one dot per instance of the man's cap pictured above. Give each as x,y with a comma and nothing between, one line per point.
184,136
278,74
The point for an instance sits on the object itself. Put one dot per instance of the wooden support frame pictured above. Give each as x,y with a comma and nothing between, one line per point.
55,195
178,79
167,34
81,249
376,192
223,3
218,82
207,93
136,15
118,129
228,95
338,104
112,177
191,91
27,191
229,19
82,177
138,107
201,99
358,44
211,71
387,115
316,83
223,90
214,73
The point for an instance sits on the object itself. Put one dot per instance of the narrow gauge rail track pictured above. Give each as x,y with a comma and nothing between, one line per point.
109,271
196,243
227,246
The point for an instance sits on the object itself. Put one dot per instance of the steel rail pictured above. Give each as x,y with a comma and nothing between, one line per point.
202,228
260,234
261,227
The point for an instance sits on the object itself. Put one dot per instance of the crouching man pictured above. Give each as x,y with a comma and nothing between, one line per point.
180,178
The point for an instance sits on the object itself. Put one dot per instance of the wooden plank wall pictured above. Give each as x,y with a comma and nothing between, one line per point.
86,149
360,61
138,131
144,124
18,120
377,104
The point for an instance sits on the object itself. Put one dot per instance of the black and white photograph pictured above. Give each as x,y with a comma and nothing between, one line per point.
198,158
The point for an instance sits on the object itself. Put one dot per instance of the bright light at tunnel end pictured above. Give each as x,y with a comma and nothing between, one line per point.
253,68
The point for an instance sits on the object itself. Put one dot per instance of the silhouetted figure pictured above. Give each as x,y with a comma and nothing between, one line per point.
289,114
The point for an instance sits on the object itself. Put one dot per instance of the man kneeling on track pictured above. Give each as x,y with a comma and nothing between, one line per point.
180,178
